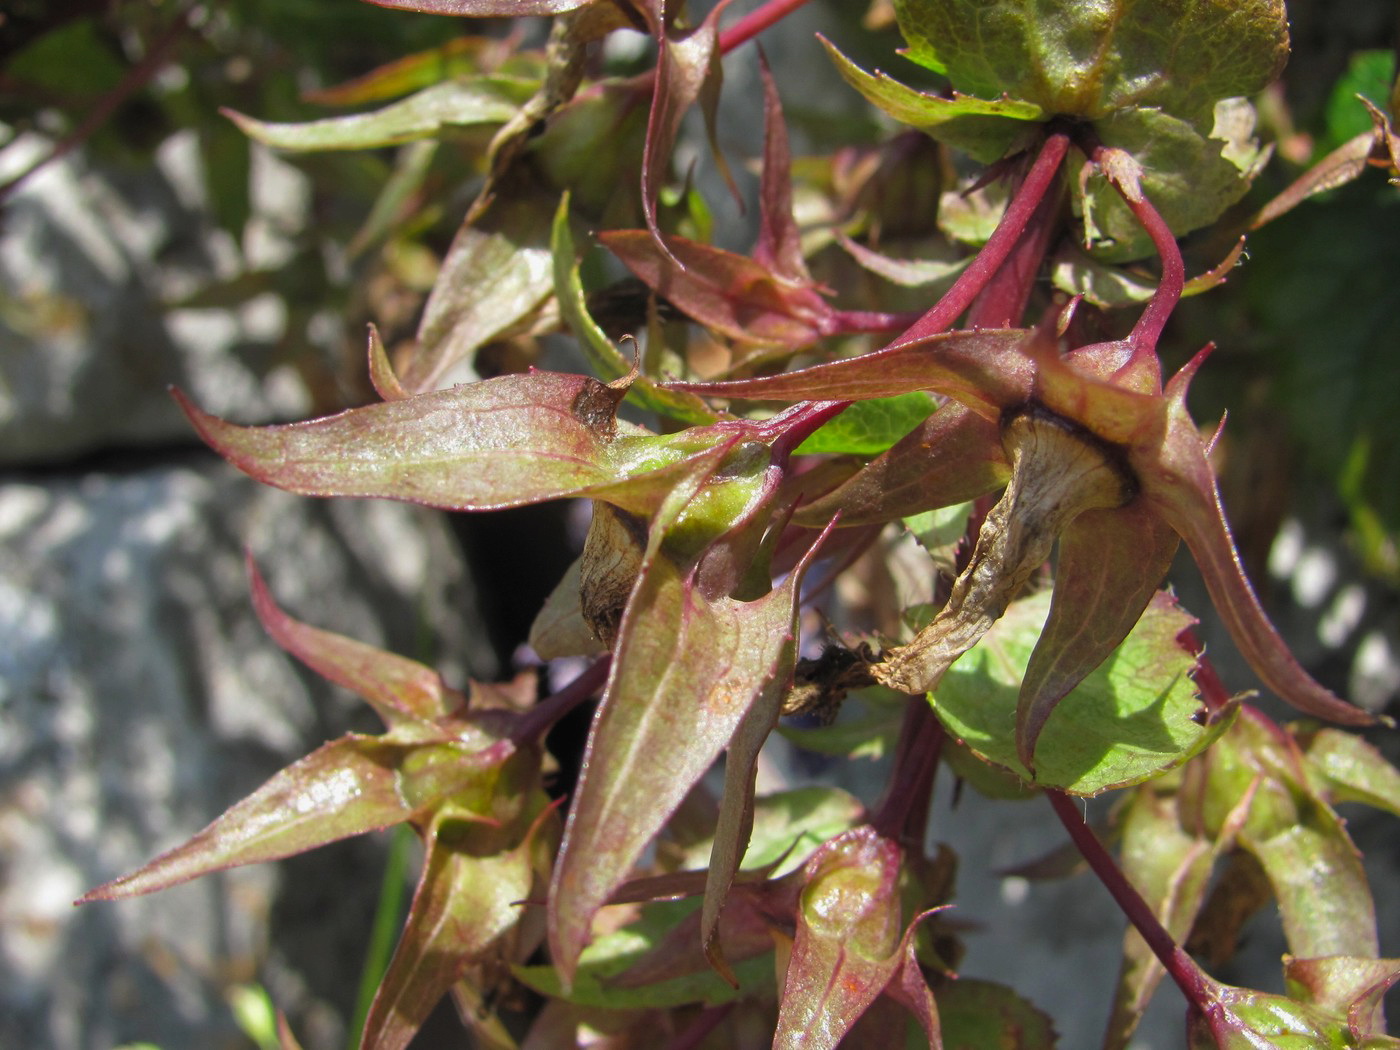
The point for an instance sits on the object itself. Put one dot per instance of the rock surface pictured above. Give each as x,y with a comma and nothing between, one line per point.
139,697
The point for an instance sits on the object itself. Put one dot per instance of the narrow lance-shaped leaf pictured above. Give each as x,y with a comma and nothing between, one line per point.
402,691
495,277
984,369
347,787
684,64
464,904
460,56
728,292
1184,492
685,673
779,246
735,822
453,103
985,129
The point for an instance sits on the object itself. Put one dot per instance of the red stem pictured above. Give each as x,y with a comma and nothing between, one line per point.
1154,318
1183,969
540,718
1002,303
903,812
1004,238
755,22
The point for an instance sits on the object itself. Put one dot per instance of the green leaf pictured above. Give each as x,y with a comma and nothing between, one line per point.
1323,895
868,428
1171,867
605,357
1089,60
1128,721
496,276
1351,769
991,1016
430,112
596,983
502,442
469,898
1189,176
985,130
685,671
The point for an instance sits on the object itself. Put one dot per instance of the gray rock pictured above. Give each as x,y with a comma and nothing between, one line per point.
100,267
139,697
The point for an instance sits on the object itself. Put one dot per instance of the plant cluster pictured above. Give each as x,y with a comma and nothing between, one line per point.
951,393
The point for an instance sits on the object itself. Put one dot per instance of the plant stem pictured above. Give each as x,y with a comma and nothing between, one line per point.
1004,238
543,715
755,22
1002,303
903,812
1154,318
1183,969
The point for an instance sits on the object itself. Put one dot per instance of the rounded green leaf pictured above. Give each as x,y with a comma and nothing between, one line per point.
1129,720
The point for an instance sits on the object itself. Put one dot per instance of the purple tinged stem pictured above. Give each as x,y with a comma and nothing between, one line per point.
1004,238
542,716
1194,984
755,22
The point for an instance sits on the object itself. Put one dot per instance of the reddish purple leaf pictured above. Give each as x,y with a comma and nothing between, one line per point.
779,246
983,369
485,8
730,293
685,672
684,65
848,941
344,788
469,899
402,691
735,820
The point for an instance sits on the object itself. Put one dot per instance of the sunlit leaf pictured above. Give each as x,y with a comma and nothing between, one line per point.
1351,769
1090,60
468,899
495,276
725,291
1131,719
984,129
685,672
402,691
848,940
451,104
868,428
344,788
